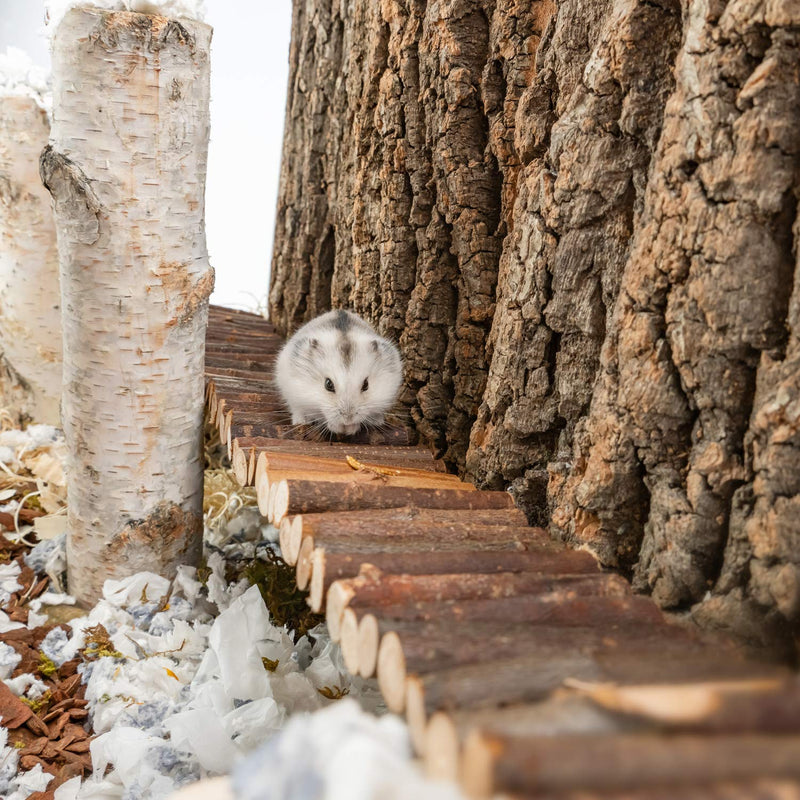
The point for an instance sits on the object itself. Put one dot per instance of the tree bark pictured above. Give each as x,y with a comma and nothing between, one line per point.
580,224
30,310
126,168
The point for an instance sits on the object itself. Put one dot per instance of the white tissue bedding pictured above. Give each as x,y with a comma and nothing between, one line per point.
20,77
204,685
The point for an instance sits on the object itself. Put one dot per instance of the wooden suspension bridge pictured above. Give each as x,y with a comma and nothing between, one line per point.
521,666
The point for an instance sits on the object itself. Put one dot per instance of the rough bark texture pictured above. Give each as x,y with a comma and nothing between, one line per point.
30,299
580,224
126,168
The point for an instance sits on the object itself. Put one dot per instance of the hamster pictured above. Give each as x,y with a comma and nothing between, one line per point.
338,372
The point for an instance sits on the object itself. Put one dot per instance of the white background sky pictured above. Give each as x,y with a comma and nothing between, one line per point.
249,73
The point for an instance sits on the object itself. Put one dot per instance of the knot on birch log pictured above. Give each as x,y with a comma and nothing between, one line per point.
9,192
76,205
198,295
167,529
150,31
176,281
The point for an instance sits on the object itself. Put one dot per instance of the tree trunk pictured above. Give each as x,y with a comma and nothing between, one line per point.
126,168
579,221
30,309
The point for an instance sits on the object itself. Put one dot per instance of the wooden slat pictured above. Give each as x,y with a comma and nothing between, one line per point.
461,608
518,764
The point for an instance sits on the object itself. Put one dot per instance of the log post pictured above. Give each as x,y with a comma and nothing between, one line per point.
126,168
30,309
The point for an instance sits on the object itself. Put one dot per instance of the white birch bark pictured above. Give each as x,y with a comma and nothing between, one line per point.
30,301
126,168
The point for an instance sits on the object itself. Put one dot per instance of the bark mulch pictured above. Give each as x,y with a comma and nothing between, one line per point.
49,731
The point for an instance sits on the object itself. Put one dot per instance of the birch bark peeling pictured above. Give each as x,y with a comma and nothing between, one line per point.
30,309
126,168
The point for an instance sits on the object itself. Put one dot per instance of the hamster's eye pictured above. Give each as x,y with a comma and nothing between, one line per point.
329,385
365,385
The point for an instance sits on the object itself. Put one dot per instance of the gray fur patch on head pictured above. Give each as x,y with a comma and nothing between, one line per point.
342,321
346,351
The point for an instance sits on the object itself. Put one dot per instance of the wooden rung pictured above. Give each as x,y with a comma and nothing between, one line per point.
251,426
281,466
542,765
532,676
373,589
391,454
326,565
309,496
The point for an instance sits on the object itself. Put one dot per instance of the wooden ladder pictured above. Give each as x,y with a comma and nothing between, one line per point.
521,666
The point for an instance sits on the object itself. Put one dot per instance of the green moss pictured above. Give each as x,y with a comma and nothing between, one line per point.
286,603
39,704
34,502
46,666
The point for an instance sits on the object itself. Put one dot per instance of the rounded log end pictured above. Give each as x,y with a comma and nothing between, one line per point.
441,748
349,640
273,491
225,436
416,714
219,414
281,506
392,672
316,595
239,463
262,495
477,767
251,466
211,403
294,538
338,597
304,565
368,640
284,530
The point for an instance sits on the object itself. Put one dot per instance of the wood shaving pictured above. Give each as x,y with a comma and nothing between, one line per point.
382,473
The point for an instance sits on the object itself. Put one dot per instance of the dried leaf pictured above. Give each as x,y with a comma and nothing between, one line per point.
98,644
333,693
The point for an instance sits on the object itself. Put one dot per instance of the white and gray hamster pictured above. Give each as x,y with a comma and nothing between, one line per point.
338,372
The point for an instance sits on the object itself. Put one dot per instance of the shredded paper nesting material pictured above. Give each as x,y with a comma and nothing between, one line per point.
163,684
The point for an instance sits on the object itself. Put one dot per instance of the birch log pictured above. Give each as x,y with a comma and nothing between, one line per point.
126,167
30,301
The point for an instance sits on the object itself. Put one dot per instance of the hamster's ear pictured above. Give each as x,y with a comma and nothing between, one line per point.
304,345
376,346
